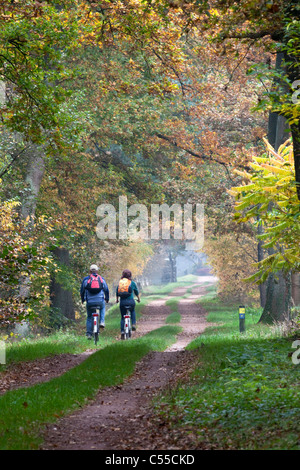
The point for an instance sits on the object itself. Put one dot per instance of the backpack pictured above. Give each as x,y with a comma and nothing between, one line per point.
94,284
124,288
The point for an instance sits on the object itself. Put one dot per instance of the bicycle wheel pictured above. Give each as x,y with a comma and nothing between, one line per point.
128,333
127,326
96,327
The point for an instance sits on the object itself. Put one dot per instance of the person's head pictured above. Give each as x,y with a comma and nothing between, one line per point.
126,273
93,269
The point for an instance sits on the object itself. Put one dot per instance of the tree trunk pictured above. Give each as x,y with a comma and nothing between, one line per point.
295,130
278,300
278,292
173,268
296,288
34,176
293,72
61,299
260,257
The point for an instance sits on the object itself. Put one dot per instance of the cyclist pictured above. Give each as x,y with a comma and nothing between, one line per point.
94,291
125,290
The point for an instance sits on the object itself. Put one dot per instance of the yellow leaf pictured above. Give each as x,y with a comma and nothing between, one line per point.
274,169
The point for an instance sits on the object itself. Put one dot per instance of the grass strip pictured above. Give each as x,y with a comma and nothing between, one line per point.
175,316
243,394
184,281
70,341
67,341
24,411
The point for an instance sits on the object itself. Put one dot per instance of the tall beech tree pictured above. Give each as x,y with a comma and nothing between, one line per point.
276,25
38,47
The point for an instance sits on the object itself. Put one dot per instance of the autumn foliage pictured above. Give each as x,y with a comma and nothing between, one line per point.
269,192
24,263
152,100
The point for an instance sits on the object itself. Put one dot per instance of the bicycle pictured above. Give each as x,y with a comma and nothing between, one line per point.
96,316
127,324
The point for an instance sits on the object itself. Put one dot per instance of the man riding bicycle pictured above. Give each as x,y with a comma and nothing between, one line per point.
125,290
94,291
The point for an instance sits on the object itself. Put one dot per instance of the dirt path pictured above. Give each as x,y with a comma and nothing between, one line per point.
106,424
28,373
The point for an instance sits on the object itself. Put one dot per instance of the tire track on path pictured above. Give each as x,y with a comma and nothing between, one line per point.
28,373
121,417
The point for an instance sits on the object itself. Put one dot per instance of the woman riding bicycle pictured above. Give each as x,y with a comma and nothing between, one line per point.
125,292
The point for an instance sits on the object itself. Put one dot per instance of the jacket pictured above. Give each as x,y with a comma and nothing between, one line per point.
93,299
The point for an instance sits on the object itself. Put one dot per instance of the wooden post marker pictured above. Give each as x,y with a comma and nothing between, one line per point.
242,315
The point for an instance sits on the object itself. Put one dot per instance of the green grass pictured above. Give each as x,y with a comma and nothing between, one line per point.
244,393
25,411
174,316
66,341
190,278
226,319
173,303
61,342
183,281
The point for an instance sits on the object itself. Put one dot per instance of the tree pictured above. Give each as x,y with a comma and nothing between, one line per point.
35,40
232,256
24,253
270,194
38,47
274,24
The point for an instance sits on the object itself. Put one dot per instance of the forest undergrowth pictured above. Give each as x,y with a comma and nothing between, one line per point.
244,393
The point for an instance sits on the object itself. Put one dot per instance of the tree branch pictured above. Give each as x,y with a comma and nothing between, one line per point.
276,35
196,155
14,158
